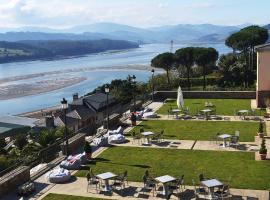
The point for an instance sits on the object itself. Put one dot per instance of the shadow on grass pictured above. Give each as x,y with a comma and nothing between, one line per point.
141,166
85,167
103,160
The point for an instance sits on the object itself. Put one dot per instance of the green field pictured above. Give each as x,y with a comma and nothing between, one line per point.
199,130
67,197
244,171
223,106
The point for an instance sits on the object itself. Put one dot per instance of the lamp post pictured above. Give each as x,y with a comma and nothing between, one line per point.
134,88
153,73
64,108
107,90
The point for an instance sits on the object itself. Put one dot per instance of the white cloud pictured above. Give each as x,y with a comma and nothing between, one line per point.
64,13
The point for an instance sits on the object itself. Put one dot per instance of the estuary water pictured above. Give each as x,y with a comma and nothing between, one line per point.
96,69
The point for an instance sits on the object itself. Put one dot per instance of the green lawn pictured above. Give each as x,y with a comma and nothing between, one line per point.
244,171
199,130
67,197
223,106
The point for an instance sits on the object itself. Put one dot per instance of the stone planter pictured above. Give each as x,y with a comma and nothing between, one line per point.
263,156
260,157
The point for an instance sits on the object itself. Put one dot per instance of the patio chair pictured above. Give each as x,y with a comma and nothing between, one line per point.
136,137
148,182
224,193
217,138
119,181
156,137
162,135
92,180
202,178
237,133
200,192
177,185
234,142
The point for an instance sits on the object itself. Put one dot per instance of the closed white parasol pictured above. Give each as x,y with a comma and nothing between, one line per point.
180,99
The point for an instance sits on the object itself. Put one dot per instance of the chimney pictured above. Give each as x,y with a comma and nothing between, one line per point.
75,96
49,121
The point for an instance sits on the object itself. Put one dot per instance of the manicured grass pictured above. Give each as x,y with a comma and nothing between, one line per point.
199,130
223,106
67,197
244,171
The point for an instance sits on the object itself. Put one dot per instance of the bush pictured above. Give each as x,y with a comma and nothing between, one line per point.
260,130
20,141
263,149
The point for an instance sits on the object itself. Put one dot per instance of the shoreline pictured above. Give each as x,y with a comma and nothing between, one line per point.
10,90
84,69
21,90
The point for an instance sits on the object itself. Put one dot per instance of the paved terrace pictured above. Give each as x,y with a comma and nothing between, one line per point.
78,186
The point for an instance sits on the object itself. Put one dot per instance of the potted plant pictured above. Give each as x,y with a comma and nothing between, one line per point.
88,150
263,150
133,119
260,130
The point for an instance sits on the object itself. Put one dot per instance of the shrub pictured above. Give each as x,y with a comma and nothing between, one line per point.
263,149
20,141
260,130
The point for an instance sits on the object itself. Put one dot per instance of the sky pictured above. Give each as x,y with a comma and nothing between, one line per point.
140,13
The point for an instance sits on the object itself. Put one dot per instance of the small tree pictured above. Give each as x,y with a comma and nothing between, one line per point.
20,141
263,149
88,150
205,57
185,57
260,130
164,61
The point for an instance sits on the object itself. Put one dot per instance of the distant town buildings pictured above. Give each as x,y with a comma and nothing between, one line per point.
88,112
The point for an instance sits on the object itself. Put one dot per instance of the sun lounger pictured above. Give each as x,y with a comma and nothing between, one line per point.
115,132
59,175
116,139
149,115
71,164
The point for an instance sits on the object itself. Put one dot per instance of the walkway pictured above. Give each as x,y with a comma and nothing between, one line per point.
192,144
134,191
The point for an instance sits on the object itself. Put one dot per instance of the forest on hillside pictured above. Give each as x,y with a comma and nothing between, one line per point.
37,49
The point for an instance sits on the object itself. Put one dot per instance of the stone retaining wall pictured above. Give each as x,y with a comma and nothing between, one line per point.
75,144
13,179
162,95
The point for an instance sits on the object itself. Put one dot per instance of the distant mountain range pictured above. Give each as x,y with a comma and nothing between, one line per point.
206,33
179,33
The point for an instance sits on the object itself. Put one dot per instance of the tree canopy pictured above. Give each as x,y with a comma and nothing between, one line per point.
247,38
185,57
164,61
205,57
